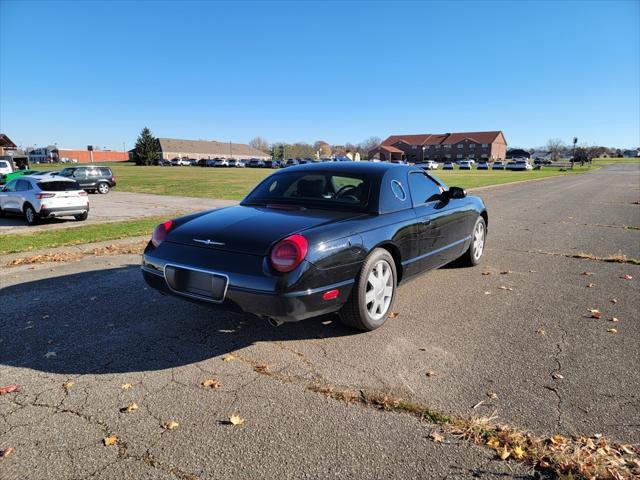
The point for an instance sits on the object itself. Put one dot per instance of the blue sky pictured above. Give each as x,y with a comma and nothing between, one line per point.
78,73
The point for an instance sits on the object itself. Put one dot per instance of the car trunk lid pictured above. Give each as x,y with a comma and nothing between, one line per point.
249,229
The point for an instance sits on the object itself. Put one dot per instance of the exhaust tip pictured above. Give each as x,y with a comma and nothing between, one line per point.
274,323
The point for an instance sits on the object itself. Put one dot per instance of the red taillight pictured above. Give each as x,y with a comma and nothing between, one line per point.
160,233
44,195
287,254
330,294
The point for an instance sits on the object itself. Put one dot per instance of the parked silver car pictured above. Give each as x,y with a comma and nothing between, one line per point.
44,197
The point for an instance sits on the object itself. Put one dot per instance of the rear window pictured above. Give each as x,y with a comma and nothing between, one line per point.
105,172
3,164
321,189
58,186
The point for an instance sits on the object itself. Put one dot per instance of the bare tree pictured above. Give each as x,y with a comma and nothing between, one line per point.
260,143
369,144
554,147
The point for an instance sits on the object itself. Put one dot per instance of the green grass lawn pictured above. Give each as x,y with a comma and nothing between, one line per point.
235,183
77,235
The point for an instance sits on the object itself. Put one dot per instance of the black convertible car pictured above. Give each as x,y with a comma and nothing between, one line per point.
318,238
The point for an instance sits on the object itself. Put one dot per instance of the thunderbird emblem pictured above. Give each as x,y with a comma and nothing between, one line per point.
208,242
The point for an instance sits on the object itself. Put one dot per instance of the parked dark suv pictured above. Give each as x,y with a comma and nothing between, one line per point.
90,178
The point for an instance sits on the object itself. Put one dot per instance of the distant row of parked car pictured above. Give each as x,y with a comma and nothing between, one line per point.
518,164
241,163
515,165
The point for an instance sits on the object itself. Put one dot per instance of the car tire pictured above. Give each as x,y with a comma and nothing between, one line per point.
30,215
473,255
373,284
103,188
82,217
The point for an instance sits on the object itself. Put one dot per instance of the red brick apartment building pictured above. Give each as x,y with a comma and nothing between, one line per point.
441,147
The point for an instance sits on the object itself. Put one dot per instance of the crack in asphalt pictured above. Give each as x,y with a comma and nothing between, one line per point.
556,371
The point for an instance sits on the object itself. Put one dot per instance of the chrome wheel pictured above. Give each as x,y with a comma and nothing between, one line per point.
379,290
478,241
29,213
103,188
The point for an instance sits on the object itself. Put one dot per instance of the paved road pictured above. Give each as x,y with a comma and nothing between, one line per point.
94,322
116,207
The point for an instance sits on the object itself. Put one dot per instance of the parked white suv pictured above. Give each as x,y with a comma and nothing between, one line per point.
5,167
44,197
179,162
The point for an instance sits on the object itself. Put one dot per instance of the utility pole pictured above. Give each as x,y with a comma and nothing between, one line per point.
573,155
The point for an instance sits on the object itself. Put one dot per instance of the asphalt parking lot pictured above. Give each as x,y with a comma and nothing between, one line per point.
115,207
522,332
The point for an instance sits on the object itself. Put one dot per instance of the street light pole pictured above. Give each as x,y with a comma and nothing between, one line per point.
423,147
573,155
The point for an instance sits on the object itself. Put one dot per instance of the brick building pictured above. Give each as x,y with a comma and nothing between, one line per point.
52,153
170,148
7,147
441,147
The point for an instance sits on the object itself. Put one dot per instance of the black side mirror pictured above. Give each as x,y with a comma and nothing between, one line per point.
455,193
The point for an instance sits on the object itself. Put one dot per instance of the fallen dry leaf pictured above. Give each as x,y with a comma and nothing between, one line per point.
228,358
487,293
627,277
170,425
591,285
50,354
557,376
628,449
430,373
588,273
126,386
492,395
211,383
436,437
614,300
393,314
486,273
502,287
262,368
9,389
506,272
111,440
129,408
612,330
614,319
6,453
541,331
533,271
504,453
595,313
236,420
493,442
44,317
518,452
68,385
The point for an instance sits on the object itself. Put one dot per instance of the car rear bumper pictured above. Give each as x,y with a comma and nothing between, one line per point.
62,211
282,306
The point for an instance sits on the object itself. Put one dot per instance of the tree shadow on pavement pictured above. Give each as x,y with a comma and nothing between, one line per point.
109,321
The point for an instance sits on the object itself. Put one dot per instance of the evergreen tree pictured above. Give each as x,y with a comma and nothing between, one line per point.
146,149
